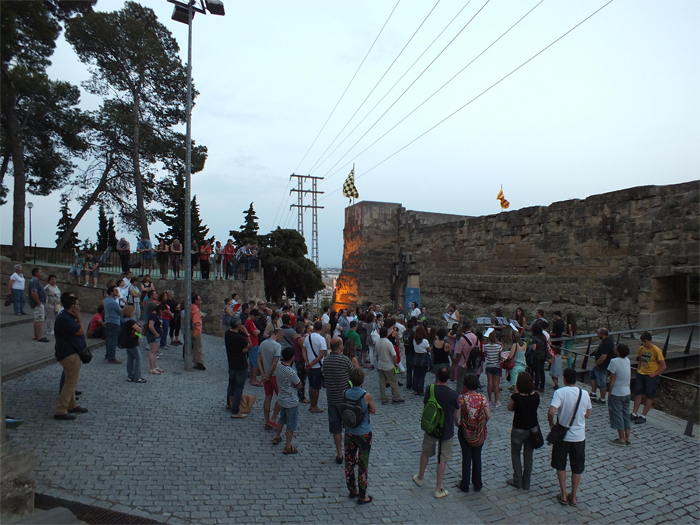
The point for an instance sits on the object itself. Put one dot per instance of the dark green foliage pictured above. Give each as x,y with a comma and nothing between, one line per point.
111,234
172,198
102,230
63,223
199,230
283,258
249,230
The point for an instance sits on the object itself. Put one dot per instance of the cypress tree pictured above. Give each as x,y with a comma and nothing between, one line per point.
63,224
102,230
111,234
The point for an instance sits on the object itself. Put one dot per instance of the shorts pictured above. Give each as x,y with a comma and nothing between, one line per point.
39,313
428,448
315,376
335,421
75,270
493,371
93,273
619,409
646,385
151,337
576,452
253,356
271,387
600,375
289,417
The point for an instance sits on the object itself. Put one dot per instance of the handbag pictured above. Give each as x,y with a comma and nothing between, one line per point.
535,439
84,353
9,299
247,402
558,432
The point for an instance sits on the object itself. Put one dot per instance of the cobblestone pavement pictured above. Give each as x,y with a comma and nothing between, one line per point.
168,450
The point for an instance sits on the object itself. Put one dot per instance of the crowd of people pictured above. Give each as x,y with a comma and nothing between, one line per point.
294,356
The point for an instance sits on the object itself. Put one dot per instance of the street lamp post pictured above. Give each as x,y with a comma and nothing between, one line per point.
184,13
30,205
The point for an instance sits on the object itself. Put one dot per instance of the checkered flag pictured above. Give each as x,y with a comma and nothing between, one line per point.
349,189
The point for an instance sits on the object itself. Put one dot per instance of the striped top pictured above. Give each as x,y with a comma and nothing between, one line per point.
336,372
493,358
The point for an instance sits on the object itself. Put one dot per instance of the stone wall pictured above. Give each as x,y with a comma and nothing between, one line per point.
619,253
212,292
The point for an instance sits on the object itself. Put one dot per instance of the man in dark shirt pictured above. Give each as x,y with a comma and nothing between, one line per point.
599,373
70,337
448,399
558,326
238,343
287,340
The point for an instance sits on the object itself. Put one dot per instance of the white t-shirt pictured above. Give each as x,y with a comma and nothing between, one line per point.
565,400
17,281
620,366
422,347
415,313
318,342
325,319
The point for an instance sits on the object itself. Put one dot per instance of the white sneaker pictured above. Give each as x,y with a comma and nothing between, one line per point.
441,494
86,284
95,285
418,481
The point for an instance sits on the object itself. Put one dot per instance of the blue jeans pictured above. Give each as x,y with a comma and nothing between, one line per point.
421,364
471,464
236,382
166,329
409,372
19,301
112,333
133,363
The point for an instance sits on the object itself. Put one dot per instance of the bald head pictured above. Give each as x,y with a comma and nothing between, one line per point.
336,345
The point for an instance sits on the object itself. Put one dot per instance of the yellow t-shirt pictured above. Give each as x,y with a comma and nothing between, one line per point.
649,359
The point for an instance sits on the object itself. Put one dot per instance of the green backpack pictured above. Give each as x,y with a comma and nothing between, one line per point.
433,416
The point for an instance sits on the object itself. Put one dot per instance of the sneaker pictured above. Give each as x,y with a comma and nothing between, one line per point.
95,285
633,417
497,404
617,441
441,494
86,284
418,481
640,420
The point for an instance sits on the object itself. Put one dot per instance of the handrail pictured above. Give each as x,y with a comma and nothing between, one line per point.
622,332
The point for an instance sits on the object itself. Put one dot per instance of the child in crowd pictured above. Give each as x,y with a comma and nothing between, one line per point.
287,385
555,369
77,267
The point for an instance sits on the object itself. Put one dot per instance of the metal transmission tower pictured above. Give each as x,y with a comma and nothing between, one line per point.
300,191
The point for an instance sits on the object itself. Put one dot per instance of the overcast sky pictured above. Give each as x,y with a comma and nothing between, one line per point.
613,104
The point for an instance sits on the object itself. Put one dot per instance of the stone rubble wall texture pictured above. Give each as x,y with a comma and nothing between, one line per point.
212,292
556,256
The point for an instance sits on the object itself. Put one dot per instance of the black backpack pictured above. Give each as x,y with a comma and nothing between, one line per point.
351,411
125,339
474,359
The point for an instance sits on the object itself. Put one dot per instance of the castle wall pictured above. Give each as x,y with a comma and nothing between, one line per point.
559,256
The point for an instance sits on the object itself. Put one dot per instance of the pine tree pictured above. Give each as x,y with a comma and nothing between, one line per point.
64,222
199,230
111,234
249,230
102,230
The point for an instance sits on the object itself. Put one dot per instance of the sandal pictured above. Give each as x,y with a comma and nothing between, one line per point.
571,501
364,501
563,501
130,379
159,370
305,401
290,450
142,380
155,372
276,441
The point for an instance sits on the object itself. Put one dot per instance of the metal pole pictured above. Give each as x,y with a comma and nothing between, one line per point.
30,227
188,206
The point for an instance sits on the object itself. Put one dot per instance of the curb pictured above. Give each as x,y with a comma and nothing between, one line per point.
40,363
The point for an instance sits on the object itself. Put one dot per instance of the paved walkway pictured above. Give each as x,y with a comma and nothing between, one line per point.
168,450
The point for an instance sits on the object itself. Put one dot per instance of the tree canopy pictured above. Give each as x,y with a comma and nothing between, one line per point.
249,229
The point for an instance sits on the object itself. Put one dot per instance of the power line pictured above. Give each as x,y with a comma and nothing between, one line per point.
480,94
406,90
399,80
375,86
445,84
348,86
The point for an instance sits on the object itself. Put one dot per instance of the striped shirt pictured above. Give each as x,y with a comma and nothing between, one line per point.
287,379
493,358
336,372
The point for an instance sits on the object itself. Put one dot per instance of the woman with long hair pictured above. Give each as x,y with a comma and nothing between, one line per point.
517,351
350,351
523,403
421,360
520,317
492,349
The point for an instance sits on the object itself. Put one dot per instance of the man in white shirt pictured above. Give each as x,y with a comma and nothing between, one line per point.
314,350
566,402
326,319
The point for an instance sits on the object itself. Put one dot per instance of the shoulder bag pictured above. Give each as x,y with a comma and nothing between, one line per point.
535,439
558,432
84,354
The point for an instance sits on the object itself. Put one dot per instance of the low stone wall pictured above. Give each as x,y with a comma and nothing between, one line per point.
619,253
212,292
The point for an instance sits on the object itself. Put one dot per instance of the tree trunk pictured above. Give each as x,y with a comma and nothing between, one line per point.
88,204
19,195
138,183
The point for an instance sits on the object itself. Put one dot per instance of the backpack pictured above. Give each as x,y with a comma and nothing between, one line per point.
473,429
432,418
474,359
351,412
